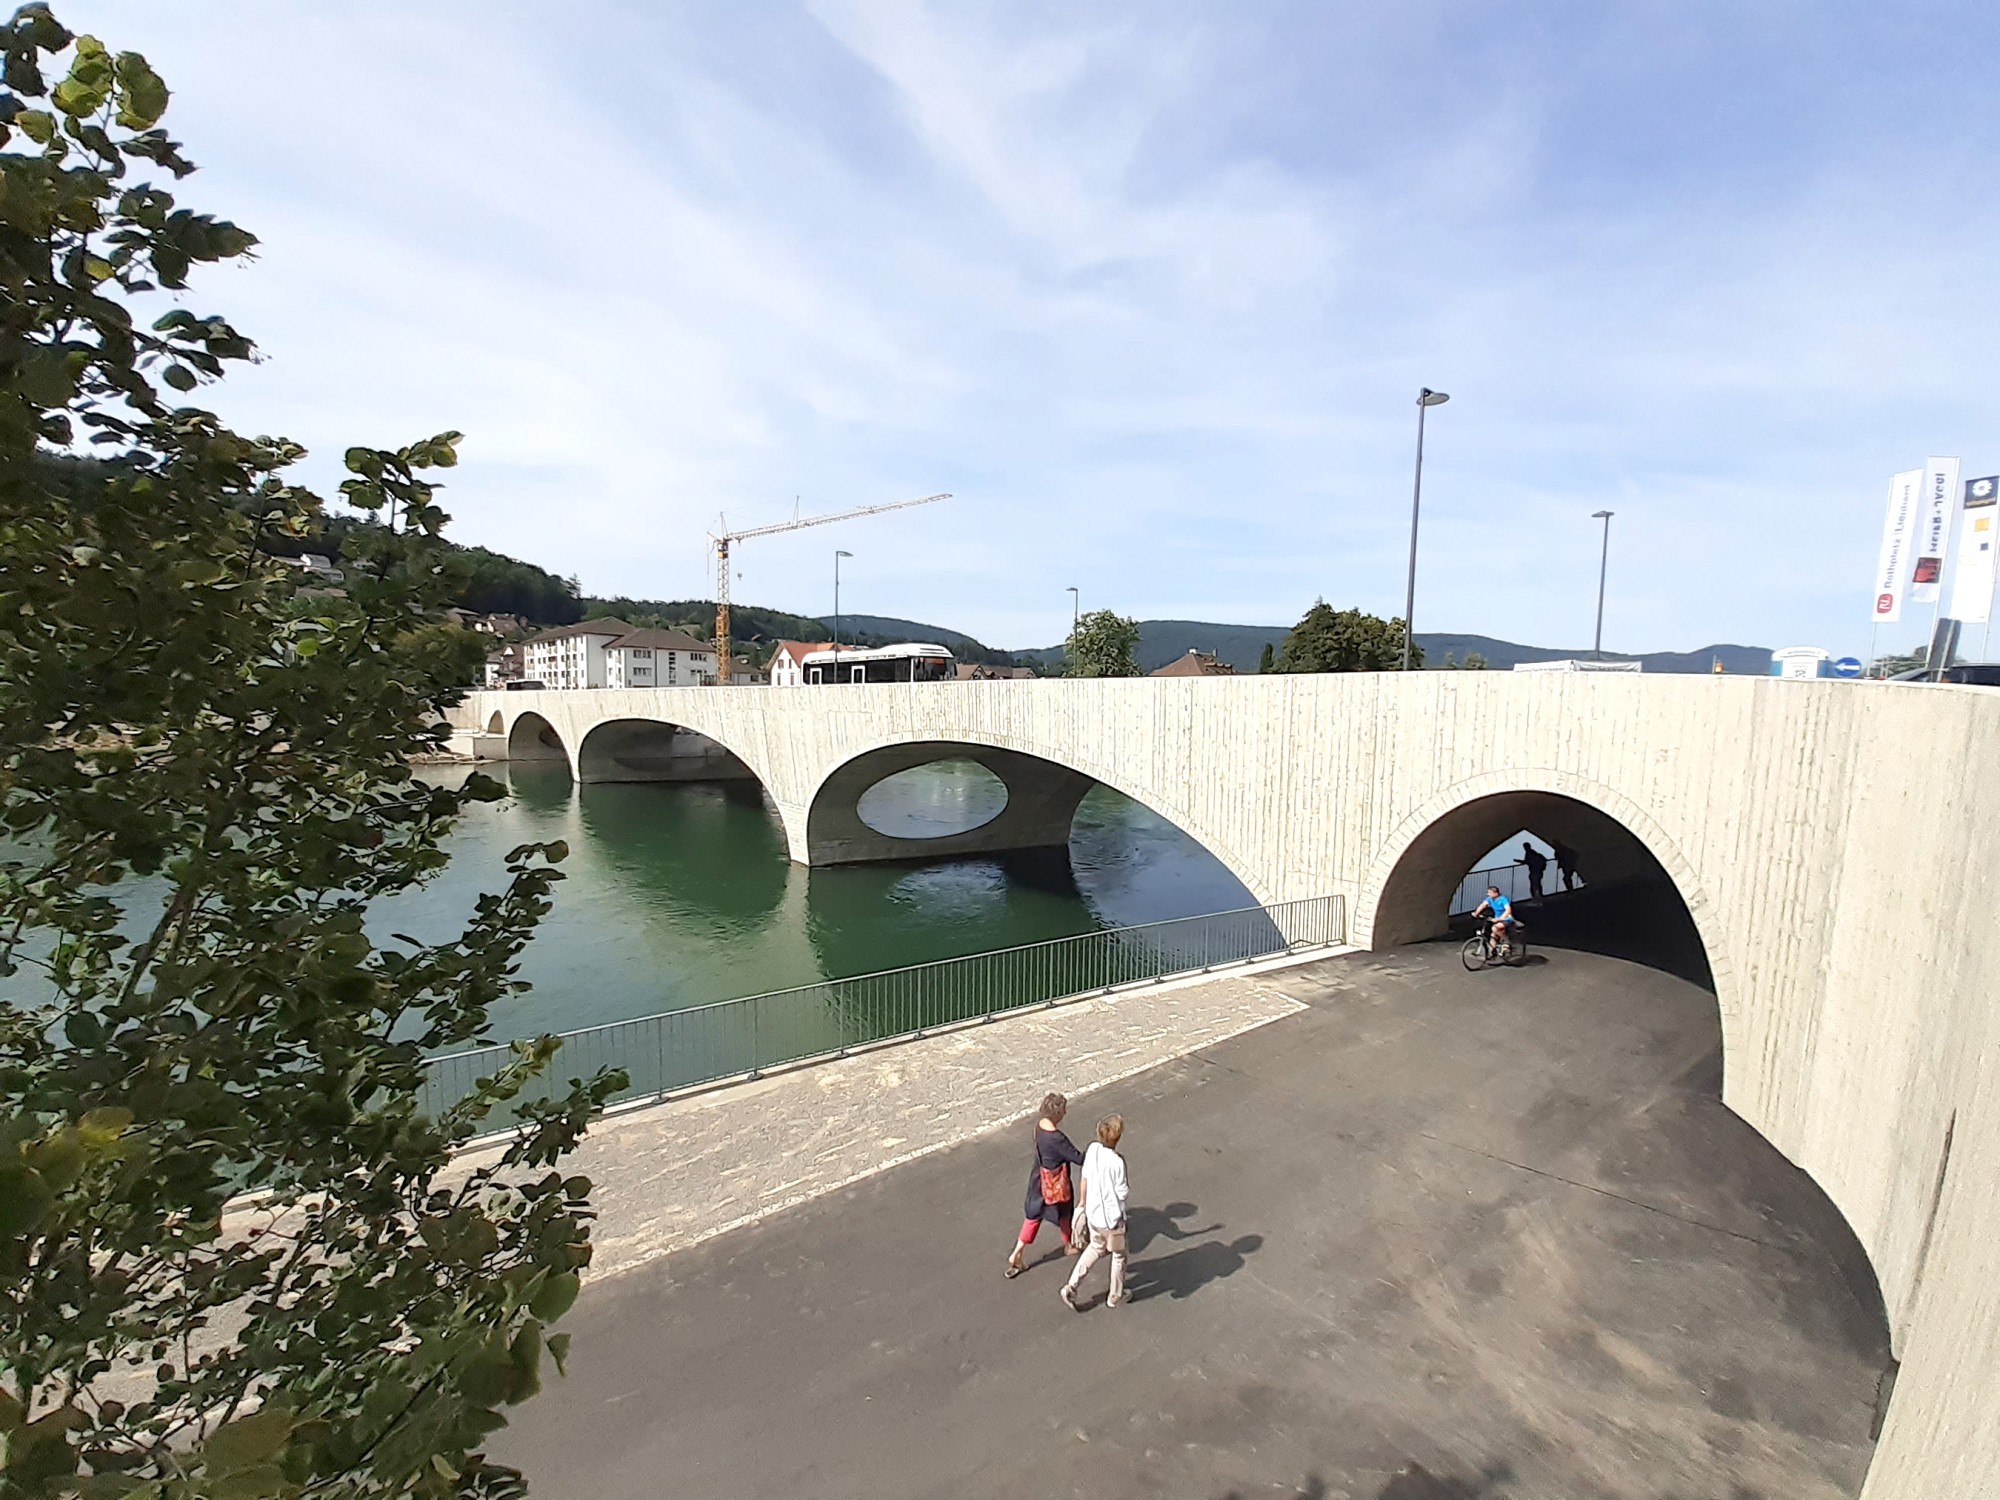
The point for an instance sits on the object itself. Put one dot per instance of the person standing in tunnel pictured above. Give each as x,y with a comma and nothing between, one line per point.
1565,863
1537,862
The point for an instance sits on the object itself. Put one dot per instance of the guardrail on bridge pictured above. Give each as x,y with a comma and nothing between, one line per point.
733,1038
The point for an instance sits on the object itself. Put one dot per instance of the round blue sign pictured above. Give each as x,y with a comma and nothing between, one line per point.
1847,666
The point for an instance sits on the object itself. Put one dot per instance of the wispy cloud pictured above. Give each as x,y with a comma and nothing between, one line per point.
1151,288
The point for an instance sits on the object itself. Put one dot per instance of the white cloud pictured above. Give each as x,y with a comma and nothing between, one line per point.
1152,292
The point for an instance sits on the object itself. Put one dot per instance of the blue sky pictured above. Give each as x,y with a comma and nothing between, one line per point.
1150,288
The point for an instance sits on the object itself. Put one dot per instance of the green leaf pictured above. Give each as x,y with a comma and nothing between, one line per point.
142,96
555,1296
103,1127
24,1199
247,1441
179,377
37,124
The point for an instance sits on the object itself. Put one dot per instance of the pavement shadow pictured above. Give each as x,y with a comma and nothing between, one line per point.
1186,1272
1144,1225
1414,1482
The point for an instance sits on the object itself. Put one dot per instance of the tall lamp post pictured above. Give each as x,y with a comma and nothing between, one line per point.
1603,562
1075,620
837,556
1426,398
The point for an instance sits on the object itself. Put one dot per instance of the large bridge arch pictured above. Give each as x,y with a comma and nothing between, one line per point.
1404,894
1043,794
650,749
532,738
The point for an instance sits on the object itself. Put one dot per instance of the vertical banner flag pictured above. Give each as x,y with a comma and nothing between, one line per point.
1934,517
1972,580
1893,568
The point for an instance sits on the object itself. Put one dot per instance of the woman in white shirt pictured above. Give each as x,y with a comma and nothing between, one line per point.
1101,1206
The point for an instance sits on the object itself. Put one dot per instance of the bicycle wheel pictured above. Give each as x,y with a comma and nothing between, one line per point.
1474,952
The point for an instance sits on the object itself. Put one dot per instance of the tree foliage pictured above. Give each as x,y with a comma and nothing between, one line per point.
1344,640
1104,644
1267,659
204,783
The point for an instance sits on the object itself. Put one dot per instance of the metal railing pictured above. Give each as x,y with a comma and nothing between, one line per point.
732,1038
1512,880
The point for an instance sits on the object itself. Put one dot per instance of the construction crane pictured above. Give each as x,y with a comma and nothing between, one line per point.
723,538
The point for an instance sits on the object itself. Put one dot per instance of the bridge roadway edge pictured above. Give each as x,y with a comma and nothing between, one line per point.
1857,1048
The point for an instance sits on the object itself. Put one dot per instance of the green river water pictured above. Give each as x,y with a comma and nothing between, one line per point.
679,895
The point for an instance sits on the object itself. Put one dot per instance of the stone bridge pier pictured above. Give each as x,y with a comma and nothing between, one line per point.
1042,799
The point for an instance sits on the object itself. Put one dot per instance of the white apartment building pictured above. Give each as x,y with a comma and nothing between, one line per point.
610,653
788,663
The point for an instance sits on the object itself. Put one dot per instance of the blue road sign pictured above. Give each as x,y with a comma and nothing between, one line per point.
1847,666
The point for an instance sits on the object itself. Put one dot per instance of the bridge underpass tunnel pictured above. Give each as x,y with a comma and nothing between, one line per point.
648,750
1623,904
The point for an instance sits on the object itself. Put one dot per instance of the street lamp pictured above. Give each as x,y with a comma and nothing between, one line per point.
1603,562
837,556
1426,398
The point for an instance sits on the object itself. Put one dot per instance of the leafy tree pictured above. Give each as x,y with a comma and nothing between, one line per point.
1346,640
1474,662
204,783
1267,659
1104,644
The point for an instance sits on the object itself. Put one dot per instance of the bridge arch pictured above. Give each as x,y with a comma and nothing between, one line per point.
1405,893
496,722
533,738
1043,794
648,749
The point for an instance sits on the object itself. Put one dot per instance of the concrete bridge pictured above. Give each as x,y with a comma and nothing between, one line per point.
1834,844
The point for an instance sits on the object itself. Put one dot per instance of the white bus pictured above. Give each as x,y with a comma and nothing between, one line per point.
913,661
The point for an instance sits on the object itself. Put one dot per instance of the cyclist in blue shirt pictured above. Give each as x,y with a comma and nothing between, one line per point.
1500,911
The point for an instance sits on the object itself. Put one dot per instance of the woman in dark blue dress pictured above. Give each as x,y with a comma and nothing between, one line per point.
1051,1189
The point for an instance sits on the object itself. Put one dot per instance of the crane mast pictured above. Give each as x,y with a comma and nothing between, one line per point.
723,537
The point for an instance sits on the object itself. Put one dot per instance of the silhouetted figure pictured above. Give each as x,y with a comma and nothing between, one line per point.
1566,863
1536,861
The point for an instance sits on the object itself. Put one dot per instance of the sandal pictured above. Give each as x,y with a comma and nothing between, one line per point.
1014,1270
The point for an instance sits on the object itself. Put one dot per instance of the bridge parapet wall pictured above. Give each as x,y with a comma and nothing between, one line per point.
1834,843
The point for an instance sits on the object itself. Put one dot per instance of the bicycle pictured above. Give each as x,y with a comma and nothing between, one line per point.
1480,950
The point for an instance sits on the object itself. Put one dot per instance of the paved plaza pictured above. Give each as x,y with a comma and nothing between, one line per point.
1426,1235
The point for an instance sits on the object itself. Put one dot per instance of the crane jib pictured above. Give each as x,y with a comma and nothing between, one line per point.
722,540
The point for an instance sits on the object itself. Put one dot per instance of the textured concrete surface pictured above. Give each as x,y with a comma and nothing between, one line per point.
1867,1052
1436,1236
671,1175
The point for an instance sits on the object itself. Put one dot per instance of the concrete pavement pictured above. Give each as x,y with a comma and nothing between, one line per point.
1438,1236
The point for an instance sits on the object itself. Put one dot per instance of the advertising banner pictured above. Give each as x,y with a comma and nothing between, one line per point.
1972,580
1892,569
1934,517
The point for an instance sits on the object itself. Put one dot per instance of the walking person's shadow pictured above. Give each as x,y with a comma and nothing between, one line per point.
1186,1272
1144,1225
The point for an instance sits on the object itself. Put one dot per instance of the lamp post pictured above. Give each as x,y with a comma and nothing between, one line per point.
1075,620
1603,562
1426,398
837,556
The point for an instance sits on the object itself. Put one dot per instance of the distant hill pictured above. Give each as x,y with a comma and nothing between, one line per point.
1162,641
